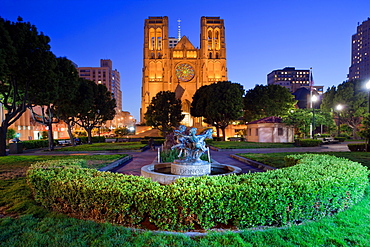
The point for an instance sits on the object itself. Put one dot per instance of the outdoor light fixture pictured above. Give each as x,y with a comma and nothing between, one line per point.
339,108
313,99
368,89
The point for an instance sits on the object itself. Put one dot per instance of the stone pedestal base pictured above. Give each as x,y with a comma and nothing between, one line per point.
191,169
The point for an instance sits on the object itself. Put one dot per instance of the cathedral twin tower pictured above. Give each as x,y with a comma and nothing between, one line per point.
177,66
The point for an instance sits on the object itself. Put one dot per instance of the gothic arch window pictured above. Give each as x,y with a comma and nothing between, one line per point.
210,55
217,55
217,39
210,39
151,39
158,35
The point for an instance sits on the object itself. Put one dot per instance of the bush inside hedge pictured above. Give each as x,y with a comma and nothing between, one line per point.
316,186
307,142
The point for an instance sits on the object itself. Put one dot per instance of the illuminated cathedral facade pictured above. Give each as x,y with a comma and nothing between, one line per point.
174,64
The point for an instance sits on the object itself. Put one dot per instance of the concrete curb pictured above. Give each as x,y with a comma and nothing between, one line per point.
252,163
116,163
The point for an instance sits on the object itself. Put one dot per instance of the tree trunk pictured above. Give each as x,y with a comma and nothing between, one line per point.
50,137
89,136
3,130
71,134
223,133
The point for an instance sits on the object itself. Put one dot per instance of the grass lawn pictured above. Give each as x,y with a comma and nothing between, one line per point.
24,223
105,146
248,145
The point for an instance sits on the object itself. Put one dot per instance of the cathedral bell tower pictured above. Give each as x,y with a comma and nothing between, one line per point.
180,67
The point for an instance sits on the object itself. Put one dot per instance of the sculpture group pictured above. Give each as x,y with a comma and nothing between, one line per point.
191,145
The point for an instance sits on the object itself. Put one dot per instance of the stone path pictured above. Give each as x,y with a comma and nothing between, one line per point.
223,156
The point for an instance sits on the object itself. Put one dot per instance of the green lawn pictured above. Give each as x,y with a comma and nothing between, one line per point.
28,224
248,145
105,146
16,166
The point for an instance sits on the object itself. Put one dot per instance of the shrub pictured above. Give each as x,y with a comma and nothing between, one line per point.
318,185
94,139
357,147
31,144
307,142
340,138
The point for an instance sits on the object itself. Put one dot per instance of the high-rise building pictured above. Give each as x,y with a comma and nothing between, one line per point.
178,66
104,75
360,60
292,78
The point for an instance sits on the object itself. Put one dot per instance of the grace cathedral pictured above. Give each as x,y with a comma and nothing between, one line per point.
174,64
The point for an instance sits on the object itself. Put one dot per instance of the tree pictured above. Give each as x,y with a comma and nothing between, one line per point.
96,106
68,108
265,101
219,103
351,95
55,96
121,131
301,119
25,67
164,112
365,130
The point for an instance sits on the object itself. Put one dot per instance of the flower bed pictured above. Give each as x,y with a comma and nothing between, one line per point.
318,185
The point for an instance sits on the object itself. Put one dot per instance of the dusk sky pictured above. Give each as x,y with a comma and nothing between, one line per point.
261,36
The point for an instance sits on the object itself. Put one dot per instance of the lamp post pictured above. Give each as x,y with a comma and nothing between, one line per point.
313,100
339,108
368,100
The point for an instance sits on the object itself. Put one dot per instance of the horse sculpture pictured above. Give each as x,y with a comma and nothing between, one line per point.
192,145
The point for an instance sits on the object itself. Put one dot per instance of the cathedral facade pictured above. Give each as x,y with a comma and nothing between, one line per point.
175,65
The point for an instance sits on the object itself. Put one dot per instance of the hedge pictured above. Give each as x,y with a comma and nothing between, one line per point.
31,144
307,142
317,186
357,147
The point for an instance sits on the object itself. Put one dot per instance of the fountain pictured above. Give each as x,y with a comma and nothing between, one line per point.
189,164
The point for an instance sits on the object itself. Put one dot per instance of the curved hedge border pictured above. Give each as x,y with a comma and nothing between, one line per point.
317,186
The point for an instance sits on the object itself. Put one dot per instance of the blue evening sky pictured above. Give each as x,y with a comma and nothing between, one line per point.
261,36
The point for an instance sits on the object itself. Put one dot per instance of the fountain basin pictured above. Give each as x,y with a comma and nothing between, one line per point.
161,172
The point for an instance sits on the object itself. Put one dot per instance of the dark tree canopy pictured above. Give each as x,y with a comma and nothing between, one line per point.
265,101
26,64
56,96
96,106
219,103
353,97
164,112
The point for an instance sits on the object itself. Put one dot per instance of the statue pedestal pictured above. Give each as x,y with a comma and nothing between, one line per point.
184,168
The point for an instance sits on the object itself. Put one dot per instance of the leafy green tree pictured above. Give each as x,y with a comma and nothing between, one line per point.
219,103
10,134
265,101
365,130
352,96
96,106
164,112
301,119
122,131
69,108
55,96
25,68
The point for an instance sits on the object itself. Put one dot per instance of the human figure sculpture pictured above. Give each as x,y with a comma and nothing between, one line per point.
192,145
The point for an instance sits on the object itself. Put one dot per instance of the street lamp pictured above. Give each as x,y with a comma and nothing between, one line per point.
339,108
368,101
313,100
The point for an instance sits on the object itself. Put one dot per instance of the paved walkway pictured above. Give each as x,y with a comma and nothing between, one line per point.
223,156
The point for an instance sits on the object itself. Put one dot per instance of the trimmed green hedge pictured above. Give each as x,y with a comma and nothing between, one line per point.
307,142
317,186
357,147
31,144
